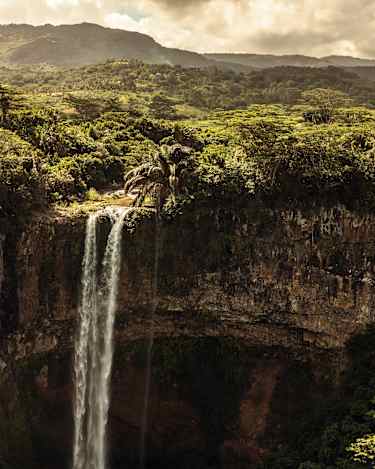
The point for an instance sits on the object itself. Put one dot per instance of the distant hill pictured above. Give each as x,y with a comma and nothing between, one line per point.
347,61
268,61
86,44
367,73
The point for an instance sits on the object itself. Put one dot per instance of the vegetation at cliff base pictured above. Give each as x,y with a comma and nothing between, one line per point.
342,435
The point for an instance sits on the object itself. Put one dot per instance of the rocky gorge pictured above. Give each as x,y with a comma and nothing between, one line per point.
255,306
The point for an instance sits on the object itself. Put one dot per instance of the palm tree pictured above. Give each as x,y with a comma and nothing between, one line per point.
160,177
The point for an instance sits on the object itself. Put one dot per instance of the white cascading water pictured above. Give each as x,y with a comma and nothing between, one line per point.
94,343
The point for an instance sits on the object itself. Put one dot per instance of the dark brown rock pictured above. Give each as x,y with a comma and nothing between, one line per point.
286,288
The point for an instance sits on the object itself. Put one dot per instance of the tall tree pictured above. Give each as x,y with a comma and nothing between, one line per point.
324,102
161,177
87,107
162,107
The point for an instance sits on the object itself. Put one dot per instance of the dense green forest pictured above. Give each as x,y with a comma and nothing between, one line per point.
67,131
133,84
284,135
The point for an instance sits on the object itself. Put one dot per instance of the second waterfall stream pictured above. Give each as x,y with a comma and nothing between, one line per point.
94,343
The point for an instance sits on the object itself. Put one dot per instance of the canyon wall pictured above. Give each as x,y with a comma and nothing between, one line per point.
254,308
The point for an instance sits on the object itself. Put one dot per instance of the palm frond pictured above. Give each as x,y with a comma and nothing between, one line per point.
134,182
159,177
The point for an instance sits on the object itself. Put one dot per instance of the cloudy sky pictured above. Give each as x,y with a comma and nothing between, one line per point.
314,27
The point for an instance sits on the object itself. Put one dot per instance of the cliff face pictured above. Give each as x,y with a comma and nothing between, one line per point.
254,307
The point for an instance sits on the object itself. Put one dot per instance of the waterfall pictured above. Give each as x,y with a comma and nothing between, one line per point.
94,342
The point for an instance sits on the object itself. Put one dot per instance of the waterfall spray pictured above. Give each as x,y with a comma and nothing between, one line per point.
94,343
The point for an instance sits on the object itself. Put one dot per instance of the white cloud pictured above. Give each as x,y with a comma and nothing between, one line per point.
122,21
316,27
56,4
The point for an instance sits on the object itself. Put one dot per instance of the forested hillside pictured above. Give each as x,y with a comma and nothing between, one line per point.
267,61
88,43
75,45
68,131
176,92
182,137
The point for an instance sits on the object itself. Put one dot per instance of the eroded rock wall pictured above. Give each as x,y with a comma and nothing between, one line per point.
269,276
287,287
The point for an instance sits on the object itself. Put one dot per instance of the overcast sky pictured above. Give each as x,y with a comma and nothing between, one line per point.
313,27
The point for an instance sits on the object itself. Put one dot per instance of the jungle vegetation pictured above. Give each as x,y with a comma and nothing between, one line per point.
187,136
256,135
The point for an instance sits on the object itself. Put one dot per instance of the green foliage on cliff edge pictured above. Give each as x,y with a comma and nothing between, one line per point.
89,137
21,179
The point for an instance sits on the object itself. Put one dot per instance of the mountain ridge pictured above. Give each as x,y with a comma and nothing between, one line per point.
90,43
84,44
295,60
